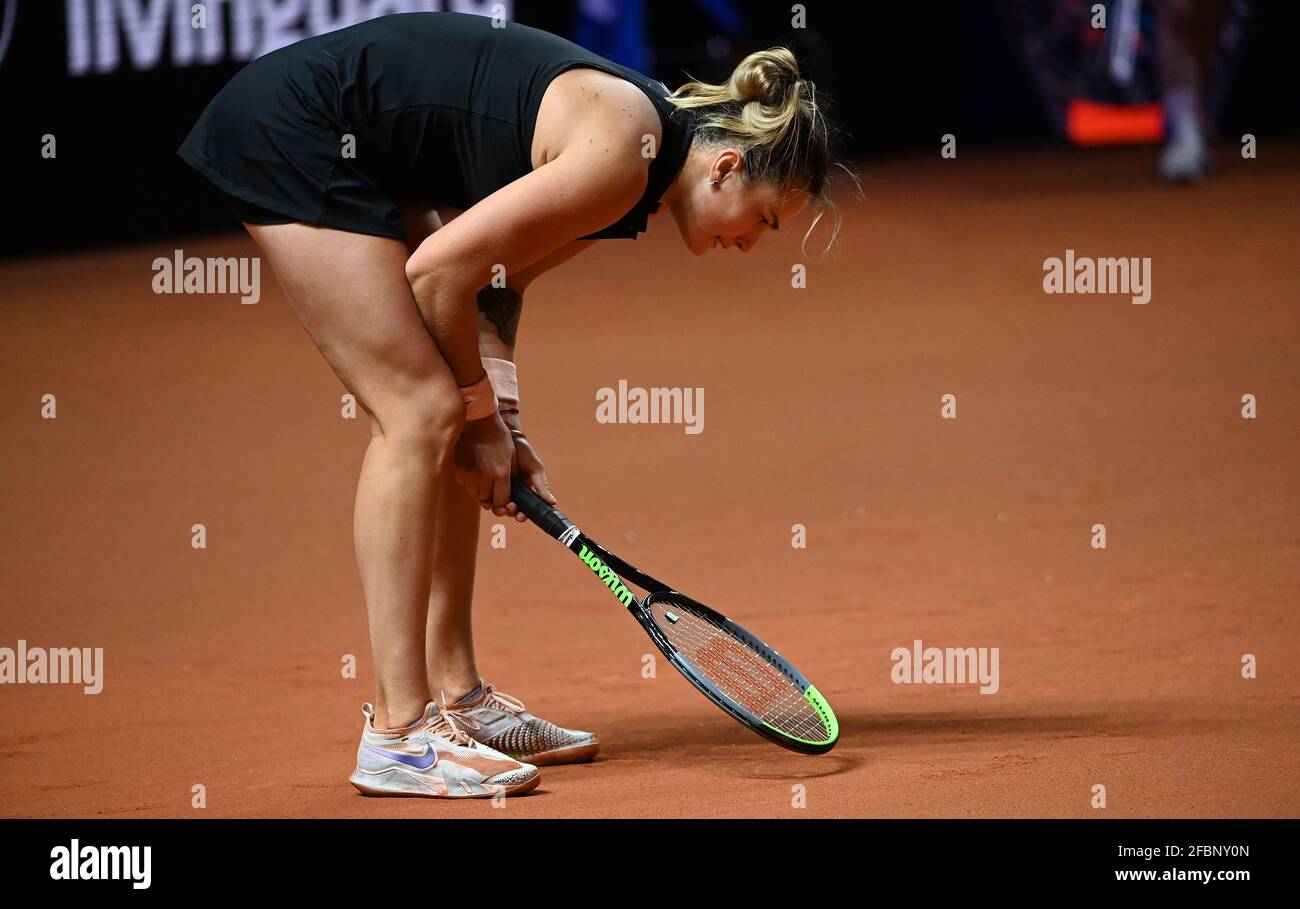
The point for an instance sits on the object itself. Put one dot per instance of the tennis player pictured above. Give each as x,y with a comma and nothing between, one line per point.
407,179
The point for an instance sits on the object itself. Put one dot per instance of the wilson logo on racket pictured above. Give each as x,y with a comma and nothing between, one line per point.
609,578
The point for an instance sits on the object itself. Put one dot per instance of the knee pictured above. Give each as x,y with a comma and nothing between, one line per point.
427,418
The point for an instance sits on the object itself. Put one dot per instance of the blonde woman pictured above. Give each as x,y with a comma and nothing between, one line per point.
385,171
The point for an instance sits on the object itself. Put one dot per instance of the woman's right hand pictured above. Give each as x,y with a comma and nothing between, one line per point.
484,459
528,466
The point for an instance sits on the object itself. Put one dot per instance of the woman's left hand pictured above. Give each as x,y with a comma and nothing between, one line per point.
527,465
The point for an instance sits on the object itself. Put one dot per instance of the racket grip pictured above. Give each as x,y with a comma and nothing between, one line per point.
537,509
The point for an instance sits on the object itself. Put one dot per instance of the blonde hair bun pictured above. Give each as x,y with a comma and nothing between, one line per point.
765,76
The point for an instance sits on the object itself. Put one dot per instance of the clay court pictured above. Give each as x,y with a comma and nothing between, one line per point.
1120,667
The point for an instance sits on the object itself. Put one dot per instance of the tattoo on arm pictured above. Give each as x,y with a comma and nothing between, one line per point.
501,306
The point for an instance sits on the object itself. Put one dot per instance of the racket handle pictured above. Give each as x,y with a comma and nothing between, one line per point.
537,509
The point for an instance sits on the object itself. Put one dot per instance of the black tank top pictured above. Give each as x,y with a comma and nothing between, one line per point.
444,106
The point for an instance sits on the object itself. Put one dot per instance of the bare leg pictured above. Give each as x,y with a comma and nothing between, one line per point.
396,510
449,634
351,292
450,640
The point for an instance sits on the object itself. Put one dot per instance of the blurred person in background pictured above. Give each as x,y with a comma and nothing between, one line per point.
1183,27
1133,71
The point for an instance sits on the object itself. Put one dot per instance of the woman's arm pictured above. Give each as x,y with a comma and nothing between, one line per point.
596,176
499,308
513,229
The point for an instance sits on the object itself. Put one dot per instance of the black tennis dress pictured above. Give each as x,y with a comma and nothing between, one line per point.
440,108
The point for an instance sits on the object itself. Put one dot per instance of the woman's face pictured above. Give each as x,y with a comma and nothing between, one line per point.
733,212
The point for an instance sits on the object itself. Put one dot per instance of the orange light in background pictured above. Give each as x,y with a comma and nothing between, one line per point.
1091,123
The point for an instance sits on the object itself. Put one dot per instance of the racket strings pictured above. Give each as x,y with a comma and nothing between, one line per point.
740,673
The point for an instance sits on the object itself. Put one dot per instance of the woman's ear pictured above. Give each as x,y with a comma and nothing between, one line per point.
728,161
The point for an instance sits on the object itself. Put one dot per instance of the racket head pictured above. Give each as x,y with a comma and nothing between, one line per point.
742,675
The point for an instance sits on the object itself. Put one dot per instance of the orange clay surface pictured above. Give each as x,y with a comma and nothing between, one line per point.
1119,667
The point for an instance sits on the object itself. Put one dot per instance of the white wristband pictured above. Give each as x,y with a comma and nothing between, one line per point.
505,381
479,399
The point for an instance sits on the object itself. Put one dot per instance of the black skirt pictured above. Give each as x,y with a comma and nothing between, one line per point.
273,141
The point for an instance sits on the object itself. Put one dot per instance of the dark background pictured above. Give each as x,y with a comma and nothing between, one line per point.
899,76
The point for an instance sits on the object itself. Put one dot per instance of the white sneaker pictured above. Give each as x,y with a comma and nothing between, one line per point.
499,721
434,759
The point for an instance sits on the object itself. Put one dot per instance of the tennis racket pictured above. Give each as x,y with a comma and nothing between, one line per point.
750,681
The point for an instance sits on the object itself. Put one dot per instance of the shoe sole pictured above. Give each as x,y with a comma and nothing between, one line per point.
370,791
576,754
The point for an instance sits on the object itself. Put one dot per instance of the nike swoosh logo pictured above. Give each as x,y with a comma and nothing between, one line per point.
418,761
